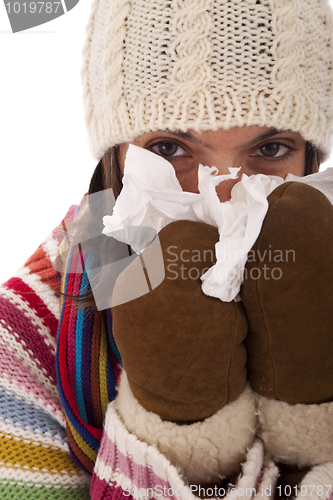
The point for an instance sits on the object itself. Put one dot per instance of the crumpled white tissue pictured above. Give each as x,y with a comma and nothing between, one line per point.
152,197
239,223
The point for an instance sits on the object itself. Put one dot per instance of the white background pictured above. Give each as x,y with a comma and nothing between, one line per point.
45,162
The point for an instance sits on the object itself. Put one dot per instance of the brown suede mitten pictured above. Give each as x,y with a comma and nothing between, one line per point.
183,351
288,294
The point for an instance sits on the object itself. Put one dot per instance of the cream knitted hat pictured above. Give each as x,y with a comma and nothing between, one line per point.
208,64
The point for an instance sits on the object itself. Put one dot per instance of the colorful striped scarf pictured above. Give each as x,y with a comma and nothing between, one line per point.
87,360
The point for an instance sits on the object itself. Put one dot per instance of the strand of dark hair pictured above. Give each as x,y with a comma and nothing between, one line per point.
313,159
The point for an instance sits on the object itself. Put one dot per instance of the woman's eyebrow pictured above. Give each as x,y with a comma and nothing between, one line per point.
187,136
262,137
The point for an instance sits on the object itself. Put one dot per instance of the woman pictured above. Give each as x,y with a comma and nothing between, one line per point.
227,84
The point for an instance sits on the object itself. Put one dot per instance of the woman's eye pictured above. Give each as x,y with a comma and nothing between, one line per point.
272,150
168,148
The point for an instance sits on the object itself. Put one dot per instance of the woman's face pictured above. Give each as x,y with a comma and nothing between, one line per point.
257,150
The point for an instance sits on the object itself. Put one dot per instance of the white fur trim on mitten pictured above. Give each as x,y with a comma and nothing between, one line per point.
205,451
317,484
144,473
300,434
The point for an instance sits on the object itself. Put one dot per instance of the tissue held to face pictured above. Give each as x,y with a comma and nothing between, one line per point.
257,150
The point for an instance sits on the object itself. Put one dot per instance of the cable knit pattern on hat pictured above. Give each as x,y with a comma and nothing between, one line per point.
177,64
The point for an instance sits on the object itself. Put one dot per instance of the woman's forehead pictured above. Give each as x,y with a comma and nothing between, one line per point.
236,136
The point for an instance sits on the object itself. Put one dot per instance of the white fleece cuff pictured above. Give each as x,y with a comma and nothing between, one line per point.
204,451
300,434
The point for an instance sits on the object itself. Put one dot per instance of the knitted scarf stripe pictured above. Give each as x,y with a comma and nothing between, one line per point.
87,364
